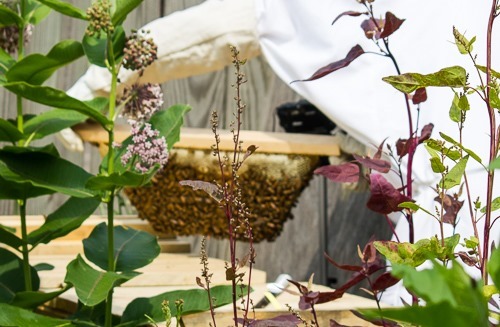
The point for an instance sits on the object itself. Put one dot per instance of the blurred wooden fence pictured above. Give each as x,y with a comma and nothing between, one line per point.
297,251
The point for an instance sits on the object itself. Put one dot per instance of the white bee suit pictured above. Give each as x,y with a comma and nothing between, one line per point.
297,38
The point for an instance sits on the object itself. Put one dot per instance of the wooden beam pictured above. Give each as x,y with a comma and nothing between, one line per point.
202,139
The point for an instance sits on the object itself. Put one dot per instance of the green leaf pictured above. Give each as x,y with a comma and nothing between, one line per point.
436,315
452,297
437,166
494,73
96,48
117,180
12,276
65,8
9,238
458,144
37,68
56,98
463,103
494,100
14,316
45,170
9,132
495,164
64,220
31,300
454,176
6,61
195,300
132,248
413,206
9,17
494,267
455,112
495,205
464,46
454,76
92,286
35,12
50,122
399,253
169,122
123,8
13,187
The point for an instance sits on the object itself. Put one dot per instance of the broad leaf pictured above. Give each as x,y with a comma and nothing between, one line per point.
52,121
92,286
495,164
195,300
123,8
454,176
169,122
454,76
64,220
419,96
354,53
65,8
14,187
384,197
31,300
9,17
117,180
132,248
42,169
14,316
96,48
494,267
6,61
56,98
379,165
343,173
455,112
36,68
35,12
12,276
9,132
9,238
392,24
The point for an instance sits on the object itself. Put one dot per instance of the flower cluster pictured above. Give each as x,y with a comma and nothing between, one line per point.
99,19
139,51
141,101
147,148
9,35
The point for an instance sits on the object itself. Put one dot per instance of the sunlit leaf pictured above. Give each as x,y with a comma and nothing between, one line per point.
133,248
65,219
464,46
36,68
92,286
455,174
169,122
454,76
195,300
65,8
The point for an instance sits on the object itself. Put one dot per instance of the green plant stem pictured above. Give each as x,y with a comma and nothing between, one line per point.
25,250
111,260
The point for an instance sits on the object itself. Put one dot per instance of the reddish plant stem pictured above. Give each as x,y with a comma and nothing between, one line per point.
493,142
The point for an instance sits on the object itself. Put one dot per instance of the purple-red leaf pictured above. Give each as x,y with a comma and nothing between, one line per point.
349,13
380,148
210,188
467,259
343,267
392,23
384,198
379,165
451,206
419,96
372,31
354,53
344,173
384,281
403,146
302,289
425,133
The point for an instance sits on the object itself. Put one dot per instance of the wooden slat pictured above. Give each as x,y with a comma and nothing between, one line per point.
202,139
